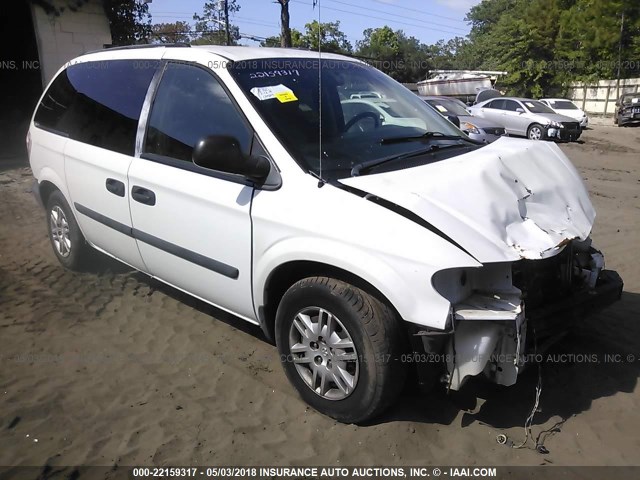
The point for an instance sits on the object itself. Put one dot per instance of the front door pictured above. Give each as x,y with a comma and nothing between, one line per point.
516,123
193,225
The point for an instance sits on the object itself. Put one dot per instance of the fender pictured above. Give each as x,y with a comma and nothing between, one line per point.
48,174
406,285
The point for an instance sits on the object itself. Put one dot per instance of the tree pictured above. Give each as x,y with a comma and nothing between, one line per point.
403,58
382,43
177,32
210,25
129,21
547,44
296,40
329,36
285,30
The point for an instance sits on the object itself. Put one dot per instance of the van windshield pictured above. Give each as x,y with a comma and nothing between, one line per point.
361,107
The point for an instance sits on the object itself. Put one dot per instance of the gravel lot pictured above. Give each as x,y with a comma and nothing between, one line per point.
109,367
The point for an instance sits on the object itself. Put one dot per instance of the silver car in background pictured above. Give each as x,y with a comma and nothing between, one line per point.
529,118
478,129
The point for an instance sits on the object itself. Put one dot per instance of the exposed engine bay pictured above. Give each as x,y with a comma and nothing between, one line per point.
502,312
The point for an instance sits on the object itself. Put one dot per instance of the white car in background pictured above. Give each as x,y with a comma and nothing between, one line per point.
384,108
567,108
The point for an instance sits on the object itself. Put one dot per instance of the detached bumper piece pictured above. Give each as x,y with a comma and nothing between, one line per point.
489,337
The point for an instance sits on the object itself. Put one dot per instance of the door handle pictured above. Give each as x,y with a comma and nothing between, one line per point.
115,186
143,195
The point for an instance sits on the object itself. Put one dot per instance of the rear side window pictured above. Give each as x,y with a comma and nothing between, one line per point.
191,104
98,103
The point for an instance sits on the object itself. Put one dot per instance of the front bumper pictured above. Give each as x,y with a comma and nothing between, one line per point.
493,330
563,134
630,118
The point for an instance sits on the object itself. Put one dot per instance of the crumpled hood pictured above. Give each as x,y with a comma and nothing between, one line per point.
511,199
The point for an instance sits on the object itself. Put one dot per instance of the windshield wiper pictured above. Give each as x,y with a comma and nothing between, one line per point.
427,135
361,167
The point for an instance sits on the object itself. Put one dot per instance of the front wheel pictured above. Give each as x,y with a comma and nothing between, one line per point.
535,132
340,348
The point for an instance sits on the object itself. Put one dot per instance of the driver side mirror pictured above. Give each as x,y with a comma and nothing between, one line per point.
453,119
223,153
520,110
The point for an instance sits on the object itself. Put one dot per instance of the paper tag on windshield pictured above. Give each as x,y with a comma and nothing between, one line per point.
529,104
634,100
282,93
285,97
441,108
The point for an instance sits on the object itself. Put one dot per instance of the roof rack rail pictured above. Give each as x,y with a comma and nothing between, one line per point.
135,47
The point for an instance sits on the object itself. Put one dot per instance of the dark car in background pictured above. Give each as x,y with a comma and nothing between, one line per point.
627,109
476,128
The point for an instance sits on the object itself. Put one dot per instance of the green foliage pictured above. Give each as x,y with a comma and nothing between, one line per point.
403,58
331,38
177,32
129,21
296,40
547,44
210,25
544,44
326,35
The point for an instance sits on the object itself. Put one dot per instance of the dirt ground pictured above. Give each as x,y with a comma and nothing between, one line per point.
112,368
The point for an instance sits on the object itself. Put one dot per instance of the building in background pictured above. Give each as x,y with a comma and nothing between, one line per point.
38,37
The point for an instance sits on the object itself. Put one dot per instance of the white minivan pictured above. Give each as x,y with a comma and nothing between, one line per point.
364,249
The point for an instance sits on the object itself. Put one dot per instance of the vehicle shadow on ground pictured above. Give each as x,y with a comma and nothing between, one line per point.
104,265
599,359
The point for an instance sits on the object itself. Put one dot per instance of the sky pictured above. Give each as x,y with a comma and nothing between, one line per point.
427,20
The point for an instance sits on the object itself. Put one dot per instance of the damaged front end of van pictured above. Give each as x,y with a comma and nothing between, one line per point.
522,212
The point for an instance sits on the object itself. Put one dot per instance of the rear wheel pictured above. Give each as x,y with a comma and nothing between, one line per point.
340,348
67,240
535,132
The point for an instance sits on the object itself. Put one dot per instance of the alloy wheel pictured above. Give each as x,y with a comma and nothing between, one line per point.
324,353
60,231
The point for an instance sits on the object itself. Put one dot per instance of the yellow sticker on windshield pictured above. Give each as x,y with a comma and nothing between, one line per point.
285,97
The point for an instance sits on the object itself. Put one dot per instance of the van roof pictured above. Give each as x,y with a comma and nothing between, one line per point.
235,53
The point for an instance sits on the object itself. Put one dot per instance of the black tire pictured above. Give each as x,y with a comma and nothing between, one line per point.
377,335
531,129
79,250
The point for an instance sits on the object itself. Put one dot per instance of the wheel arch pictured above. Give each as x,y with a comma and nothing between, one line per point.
286,274
48,182
46,188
